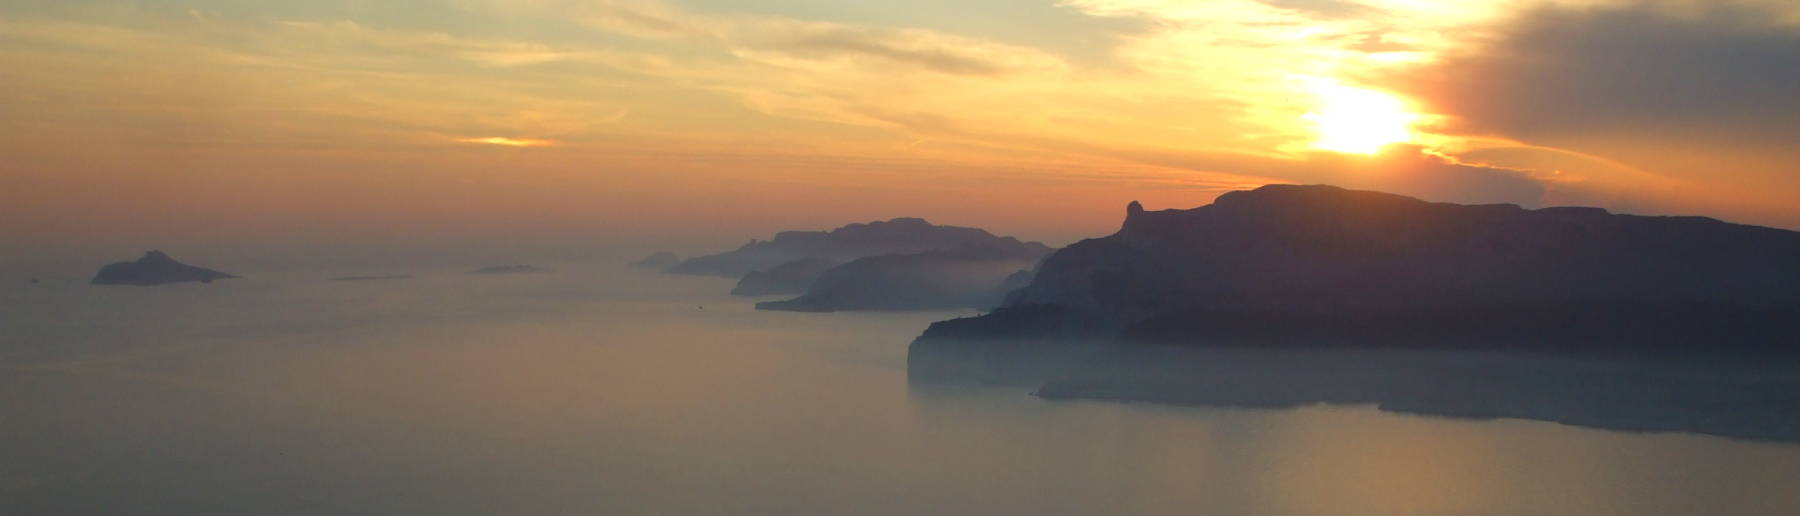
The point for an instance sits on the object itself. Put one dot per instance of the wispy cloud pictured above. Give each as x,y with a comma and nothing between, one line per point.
509,142
795,40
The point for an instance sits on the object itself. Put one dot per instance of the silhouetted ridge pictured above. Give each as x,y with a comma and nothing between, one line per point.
1320,265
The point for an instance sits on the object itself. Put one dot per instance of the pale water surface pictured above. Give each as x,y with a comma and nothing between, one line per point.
595,390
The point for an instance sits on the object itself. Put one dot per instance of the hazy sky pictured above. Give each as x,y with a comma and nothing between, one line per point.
575,124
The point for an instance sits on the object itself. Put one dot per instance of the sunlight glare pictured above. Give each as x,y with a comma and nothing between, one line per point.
1358,121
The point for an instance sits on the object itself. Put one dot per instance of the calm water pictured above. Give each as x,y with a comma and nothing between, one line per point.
595,390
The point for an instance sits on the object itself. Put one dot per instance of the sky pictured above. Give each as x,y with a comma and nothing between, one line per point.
402,129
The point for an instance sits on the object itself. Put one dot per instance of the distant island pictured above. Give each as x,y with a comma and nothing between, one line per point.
899,264
510,269
155,268
897,236
971,276
657,261
373,278
788,278
1334,295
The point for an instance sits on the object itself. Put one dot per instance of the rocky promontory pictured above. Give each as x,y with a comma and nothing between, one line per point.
1295,295
1289,265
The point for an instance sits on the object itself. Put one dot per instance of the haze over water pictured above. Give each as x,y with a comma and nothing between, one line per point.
597,390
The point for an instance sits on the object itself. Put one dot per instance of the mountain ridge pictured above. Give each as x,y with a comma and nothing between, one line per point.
1321,265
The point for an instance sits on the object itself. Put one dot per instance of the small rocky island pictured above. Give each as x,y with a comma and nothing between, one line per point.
155,268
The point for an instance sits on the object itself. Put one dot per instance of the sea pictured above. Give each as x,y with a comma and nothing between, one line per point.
599,389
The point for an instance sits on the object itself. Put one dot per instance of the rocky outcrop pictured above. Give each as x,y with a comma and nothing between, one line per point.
155,268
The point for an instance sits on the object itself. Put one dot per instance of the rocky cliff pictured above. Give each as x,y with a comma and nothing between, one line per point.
1324,266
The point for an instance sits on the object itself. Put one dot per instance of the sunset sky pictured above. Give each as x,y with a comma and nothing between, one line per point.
548,125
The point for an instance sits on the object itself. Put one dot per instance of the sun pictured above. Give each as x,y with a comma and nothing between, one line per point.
1358,121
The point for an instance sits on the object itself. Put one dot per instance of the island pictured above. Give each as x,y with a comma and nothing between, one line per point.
155,268
896,236
905,263
1290,295
971,276
786,279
